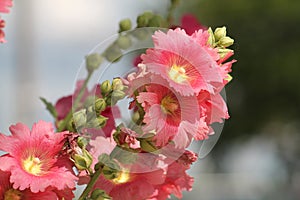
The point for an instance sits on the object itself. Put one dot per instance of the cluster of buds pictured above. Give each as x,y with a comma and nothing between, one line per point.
219,40
90,115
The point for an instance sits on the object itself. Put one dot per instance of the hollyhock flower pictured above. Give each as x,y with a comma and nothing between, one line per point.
8,192
34,158
176,179
4,4
191,24
213,107
179,59
2,34
169,114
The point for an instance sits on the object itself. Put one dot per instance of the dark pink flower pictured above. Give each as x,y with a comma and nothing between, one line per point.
34,158
2,34
191,24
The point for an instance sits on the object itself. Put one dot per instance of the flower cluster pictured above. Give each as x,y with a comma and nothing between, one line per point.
4,4
174,97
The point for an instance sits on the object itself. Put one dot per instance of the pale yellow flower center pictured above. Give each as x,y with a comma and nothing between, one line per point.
32,165
122,178
169,105
177,74
12,194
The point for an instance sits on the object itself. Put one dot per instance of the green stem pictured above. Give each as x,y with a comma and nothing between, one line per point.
91,184
171,10
65,122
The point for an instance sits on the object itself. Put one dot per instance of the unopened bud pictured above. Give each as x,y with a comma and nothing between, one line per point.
110,169
116,96
124,42
211,38
83,161
143,19
156,21
220,33
79,118
82,142
225,42
93,61
100,105
113,53
140,33
97,122
124,25
98,194
147,146
105,87
117,84
223,52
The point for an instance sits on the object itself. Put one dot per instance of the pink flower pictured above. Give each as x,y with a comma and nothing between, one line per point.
2,34
8,192
176,181
34,158
169,114
4,4
191,24
183,62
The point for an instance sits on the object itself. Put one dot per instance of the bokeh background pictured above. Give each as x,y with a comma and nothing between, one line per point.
257,155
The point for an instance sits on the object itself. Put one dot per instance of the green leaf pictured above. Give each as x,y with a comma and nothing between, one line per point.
49,107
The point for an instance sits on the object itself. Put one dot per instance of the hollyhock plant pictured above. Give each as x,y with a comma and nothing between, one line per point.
173,98
36,156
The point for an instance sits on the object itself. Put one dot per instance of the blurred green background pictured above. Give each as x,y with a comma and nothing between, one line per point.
264,96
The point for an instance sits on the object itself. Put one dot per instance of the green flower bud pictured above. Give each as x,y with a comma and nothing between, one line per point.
225,42
211,38
98,194
125,25
105,87
82,142
111,168
83,161
124,41
116,96
156,21
93,61
147,145
113,53
100,105
136,117
117,84
79,118
220,33
97,122
140,34
223,52
143,19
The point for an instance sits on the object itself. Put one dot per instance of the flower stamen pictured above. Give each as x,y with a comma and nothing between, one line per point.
32,165
178,74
